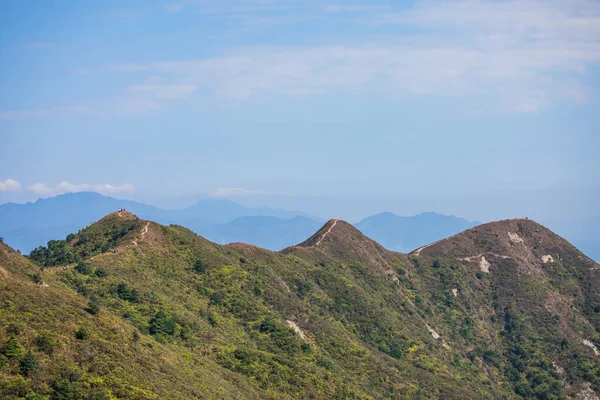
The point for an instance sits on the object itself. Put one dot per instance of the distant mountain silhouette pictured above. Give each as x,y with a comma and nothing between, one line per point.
26,226
268,232
407,233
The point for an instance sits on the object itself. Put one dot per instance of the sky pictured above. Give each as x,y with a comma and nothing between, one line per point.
484,109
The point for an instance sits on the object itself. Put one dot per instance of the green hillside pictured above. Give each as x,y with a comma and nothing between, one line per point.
129,309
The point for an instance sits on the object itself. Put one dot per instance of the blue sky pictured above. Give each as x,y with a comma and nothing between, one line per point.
480,108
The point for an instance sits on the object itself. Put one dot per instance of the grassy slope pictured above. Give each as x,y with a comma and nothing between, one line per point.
366,314
111,363
526,319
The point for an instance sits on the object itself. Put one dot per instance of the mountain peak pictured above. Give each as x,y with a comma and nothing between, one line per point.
520,239
333,231
338,238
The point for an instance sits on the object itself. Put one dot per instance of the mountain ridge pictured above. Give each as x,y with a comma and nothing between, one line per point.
397,233
338,305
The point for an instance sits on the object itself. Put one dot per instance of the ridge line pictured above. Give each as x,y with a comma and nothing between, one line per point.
326,233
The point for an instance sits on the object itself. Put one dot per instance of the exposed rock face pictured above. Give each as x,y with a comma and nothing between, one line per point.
484,265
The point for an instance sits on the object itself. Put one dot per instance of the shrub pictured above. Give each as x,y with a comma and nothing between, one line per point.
304,288
63,390
83,268
126,293
213,319
216,298
13,387
93,307
36,278
199,266
44,342
269,325
82,334
28,364
162,324
436,264
100,273
14,328
13,348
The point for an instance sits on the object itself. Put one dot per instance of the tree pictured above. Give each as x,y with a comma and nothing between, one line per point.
82,334
269,325
63,390
126,293
83,268
28,364
162,324
199,266
304,288
13,348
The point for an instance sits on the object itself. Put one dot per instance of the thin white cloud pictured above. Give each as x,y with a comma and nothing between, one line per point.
133,100
524,55
42,190
10,185
510,55
161,91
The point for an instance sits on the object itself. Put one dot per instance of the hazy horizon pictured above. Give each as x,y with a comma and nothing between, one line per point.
481,109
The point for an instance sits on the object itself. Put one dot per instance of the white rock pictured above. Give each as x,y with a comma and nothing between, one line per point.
515,238
296,328
433,333
547,259
484,265
591,346
587,393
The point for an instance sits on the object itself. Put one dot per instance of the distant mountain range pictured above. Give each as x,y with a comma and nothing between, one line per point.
407,233
27,226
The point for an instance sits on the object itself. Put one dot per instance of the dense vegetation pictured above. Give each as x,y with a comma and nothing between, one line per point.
147,311
98,238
